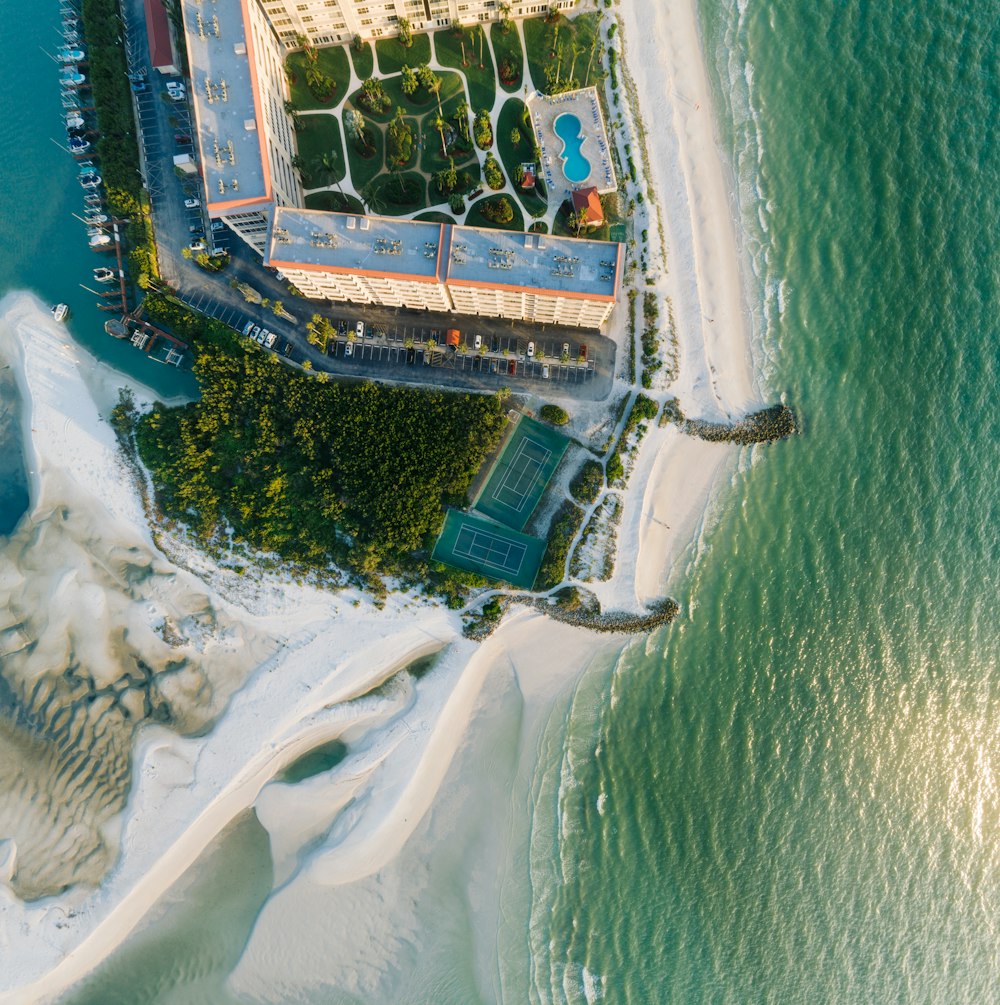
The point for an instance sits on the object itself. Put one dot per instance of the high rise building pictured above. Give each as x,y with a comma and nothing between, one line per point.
246,141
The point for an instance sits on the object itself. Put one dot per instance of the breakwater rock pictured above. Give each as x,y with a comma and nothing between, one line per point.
765,426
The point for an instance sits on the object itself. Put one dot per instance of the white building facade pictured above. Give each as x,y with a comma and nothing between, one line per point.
325,22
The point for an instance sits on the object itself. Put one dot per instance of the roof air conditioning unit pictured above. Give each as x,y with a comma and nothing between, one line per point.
250,125
240,48
366,224
351,223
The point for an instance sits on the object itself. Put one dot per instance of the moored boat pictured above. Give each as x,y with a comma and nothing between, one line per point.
60,312
103,274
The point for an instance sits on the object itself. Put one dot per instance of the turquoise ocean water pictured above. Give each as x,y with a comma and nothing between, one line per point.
791,795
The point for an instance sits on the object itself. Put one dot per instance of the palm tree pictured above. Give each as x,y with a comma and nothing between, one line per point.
434,86
482,39
577,52
372,198
590,62
462,117
439,125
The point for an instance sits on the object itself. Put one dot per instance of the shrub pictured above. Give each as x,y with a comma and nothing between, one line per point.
498,210
456,204
405,33
554,414
587,482
492,173
483,130
565,524
373,96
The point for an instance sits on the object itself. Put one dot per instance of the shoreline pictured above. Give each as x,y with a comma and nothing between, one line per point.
329,652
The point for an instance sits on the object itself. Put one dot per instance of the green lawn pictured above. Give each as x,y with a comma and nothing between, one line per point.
512,117
364,61
387,198
561,229
331,61
539,35
392,54
508,45
421,101
320,135
363,169
434,217
482,80
432,159
476,218
334,202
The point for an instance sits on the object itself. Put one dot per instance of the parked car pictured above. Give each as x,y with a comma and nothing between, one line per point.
198,245
249,328
566,348
342,326
583,353
262,335
512,366
531,350
359,329
181,138
478,344
348,350
272,338
411,355
138,86
493,366
545,371
255,332
495,344
192,203
217,225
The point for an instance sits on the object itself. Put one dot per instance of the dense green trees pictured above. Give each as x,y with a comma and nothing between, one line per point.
314,471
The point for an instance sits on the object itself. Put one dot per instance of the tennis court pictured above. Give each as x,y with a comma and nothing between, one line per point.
521,472
478,545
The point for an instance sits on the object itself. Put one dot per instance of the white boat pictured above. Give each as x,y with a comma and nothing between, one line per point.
90,180
96,218
100,241
60,312
74,121
70,55
104,275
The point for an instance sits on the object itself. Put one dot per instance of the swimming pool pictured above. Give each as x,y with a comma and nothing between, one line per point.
576,167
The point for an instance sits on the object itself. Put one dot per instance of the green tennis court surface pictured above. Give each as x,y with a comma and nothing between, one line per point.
520,474
478,545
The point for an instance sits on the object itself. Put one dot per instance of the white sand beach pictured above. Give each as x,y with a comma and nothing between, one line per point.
318,666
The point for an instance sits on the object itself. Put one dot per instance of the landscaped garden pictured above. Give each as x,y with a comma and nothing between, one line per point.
563,54
510,58
465,49
412,140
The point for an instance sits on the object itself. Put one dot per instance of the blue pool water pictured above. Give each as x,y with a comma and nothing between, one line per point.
576,167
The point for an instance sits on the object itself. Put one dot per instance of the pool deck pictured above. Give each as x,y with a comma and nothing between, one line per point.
545,109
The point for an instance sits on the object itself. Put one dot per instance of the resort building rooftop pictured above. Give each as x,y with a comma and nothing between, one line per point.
363,245
562,266
223,81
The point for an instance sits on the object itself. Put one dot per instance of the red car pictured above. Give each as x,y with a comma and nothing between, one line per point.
512,366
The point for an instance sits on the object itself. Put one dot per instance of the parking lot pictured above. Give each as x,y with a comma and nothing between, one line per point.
500,356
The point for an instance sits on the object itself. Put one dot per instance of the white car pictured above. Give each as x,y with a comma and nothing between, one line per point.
262,337
479,342
270,340
565,348
359,329
192,203
255,333
531,350
545,371
349,349
248,328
